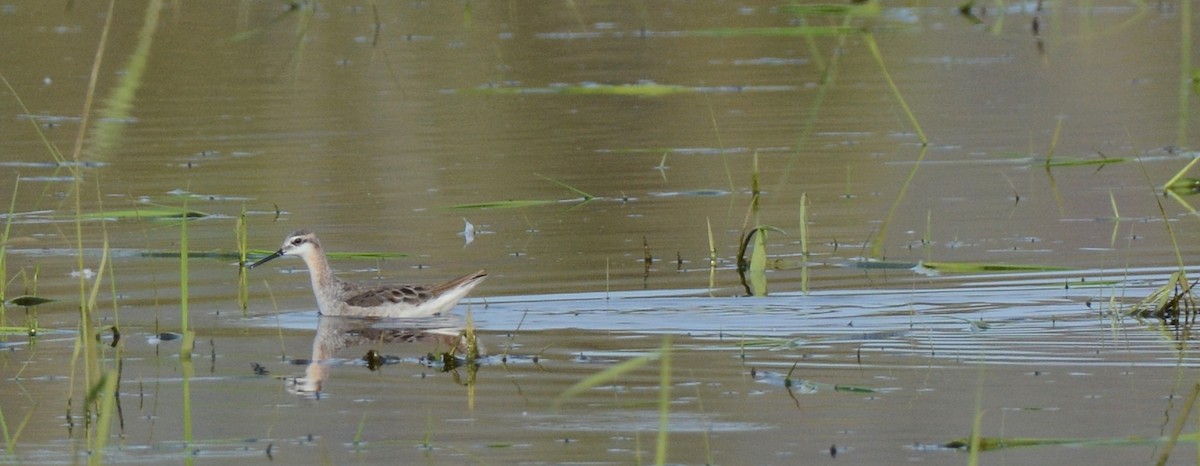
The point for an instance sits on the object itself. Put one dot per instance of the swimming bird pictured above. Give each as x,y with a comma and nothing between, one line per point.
340,298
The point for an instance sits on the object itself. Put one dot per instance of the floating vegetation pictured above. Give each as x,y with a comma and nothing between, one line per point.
999,443
984,267
794,31
865,9
953,267
1184,186
1076,162
692,150
514,204
641,89
1172,301
693,192
156,212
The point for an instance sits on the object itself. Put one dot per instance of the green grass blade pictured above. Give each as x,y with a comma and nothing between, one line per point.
605,376
758,264
793,31
868,9
509,204
912,119
877,248
105,393
144,213
569,187
983,267
664,402
12,206
50,147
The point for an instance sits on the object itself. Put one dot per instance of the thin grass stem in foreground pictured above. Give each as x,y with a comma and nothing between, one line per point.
912,119
664,402
877,248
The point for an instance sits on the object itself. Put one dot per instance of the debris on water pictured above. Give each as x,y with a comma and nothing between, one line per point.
29,301
468,233
161,337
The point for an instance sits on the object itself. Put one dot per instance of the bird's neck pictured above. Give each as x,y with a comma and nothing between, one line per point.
324,283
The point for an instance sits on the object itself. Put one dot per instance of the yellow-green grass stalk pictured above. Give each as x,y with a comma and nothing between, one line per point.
85,341
712,258
1174,181
521,203
242,239
877,248
1112,242
804,241
976,423
358,433
185,349
664,402
427,439
118,106
10,438
712,116
912,119
828,78
4,249
927,238
104,393
1186,78
50,147
187,372
868,9
758,263
1177,430
1053,143
605,376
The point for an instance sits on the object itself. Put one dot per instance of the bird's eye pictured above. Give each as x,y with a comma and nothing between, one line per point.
297,241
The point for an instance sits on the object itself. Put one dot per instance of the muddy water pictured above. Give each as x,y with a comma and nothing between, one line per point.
369,123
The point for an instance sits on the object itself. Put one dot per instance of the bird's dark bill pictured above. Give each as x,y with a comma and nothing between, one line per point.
265,259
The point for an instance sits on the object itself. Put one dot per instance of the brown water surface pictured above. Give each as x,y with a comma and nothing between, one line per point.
368,122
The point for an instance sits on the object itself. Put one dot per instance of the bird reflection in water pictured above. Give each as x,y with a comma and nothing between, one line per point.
454,345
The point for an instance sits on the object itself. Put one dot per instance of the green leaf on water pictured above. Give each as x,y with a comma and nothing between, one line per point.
1184,185
795,31
997,443
641,89
634,90
510,204
1061,162
867,9
981,267
852,389
145,213
513,204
